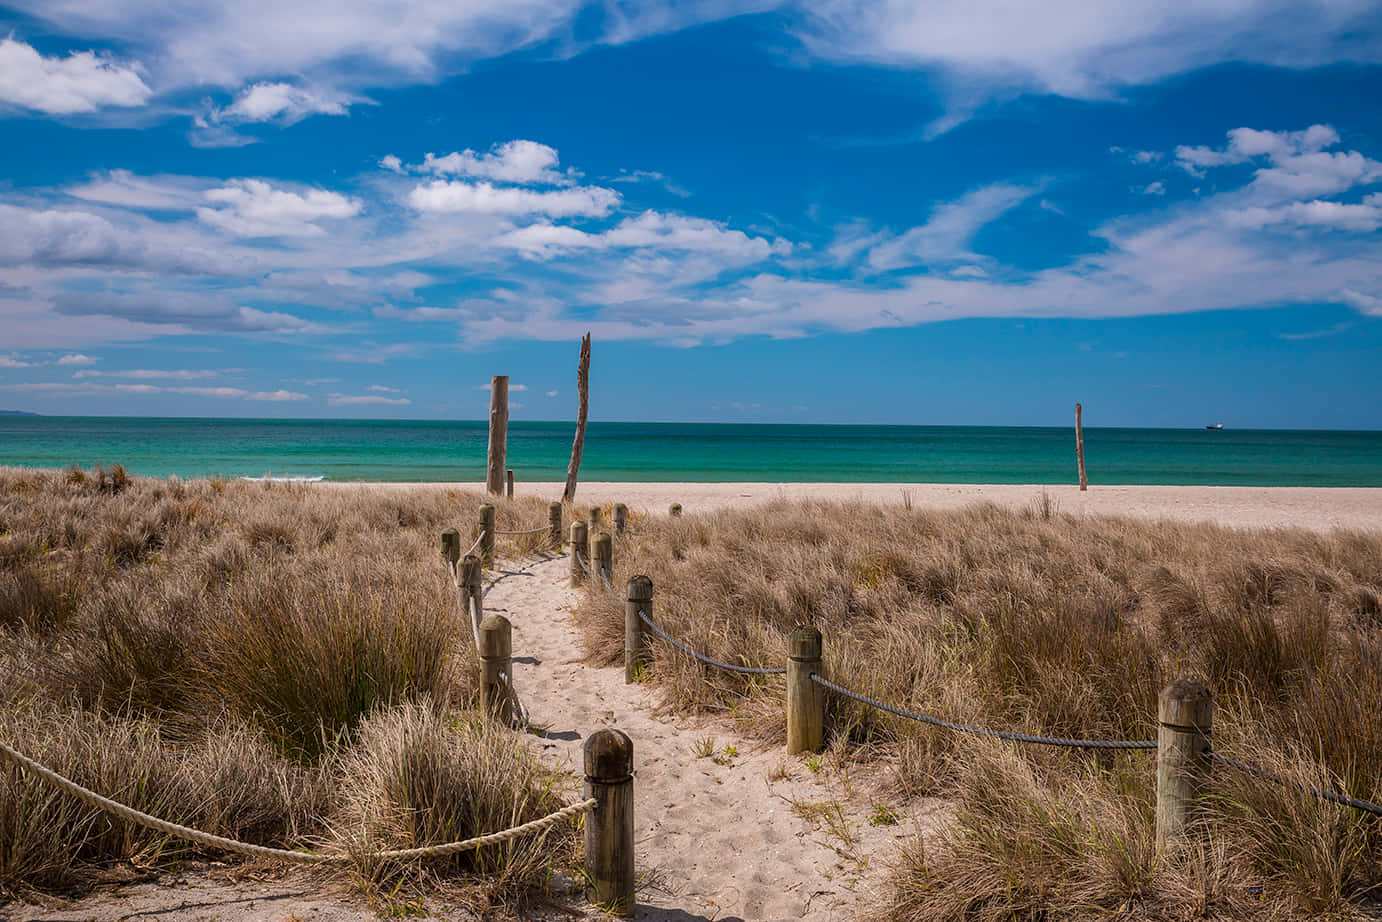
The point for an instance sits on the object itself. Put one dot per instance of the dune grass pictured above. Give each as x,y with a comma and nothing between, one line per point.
1064,626
276,662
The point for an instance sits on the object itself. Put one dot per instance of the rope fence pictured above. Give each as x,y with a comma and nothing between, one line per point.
1331,796
530,531
747,670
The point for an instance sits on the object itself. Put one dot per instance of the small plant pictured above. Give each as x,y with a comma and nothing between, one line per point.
882,815
705,748
815,763
726,756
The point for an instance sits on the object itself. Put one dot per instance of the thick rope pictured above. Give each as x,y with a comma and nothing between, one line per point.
1331,796
531,531
984,731
748,670
93,799
474,547
581,560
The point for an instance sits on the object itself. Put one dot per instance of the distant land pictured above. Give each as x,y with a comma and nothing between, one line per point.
17,413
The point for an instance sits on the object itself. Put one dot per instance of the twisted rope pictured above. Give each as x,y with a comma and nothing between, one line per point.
984,731
132,815
581,560
747,670
531,531
474,547
1330,796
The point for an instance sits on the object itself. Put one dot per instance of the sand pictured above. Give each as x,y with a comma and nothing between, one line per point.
1244,507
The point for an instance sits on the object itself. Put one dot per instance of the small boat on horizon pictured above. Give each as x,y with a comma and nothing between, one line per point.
1215,426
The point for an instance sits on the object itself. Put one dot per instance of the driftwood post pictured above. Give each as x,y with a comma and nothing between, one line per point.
472,596
554,525
487,535
496,662
674,510
1185,717
805,700
621,518
603,550
498,432
609,827
640,599
577,446
580,550
1079,446
508,485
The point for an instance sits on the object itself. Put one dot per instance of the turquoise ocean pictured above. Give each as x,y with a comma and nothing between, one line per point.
392,450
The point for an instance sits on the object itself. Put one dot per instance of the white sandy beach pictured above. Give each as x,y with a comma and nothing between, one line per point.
1241,507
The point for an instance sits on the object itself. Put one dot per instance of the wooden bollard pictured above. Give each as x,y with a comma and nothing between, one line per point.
1079,446
640,599
451,546
508,477
487,535
496,661
805,699
580,550
674,510
609,827
597,518
472,596
1185,720
554,525
603,550
621,518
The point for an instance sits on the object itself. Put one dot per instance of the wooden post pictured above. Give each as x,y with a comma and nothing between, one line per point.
451,546
554,525
609,827
579,546
621,518
597,518
674,509
1185,717
640,599
805,699
1079,446
568,493
498,433
487,535
603,550
496,661
509,484
472,596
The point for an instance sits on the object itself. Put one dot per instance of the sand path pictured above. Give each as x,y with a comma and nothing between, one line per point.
721,841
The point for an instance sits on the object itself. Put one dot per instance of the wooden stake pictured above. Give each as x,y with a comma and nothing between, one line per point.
472,596
1185,714
621,518
609,827
487,535
603,550
597,518
640,599
496,661
451,546
580,545
554,525
578,445
805,699
1079,446
674,510
509,483
498,432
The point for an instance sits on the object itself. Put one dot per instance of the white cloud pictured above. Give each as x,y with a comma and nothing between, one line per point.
553,393
254,208
282,102
649,230
81,82
75,358
483,197
92,387
10,361
951,228
315,382
517,161
155,374
1154,188
344,400
391,163
1244,144
184,309
384,389
61,238
129,190
1363,303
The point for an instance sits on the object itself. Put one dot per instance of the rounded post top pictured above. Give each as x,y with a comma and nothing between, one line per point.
486,511
805,644
554,506
674,509
640,589
451,545
608,756
1187,704
578,528
620,507
496,637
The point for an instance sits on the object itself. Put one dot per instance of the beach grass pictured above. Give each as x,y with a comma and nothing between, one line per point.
1059,625
262,661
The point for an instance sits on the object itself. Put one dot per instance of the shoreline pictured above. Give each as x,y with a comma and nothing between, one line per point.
1319,508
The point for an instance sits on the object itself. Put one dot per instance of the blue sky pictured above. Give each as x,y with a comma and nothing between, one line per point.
927,212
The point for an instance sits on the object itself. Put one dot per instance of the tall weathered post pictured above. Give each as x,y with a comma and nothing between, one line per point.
805,699
639,600
1185,718
554,525
580,551
451,547
1079,446
621,518
509,484
597,519
496,663
498,433
486,527
602,548
609,827
472,596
